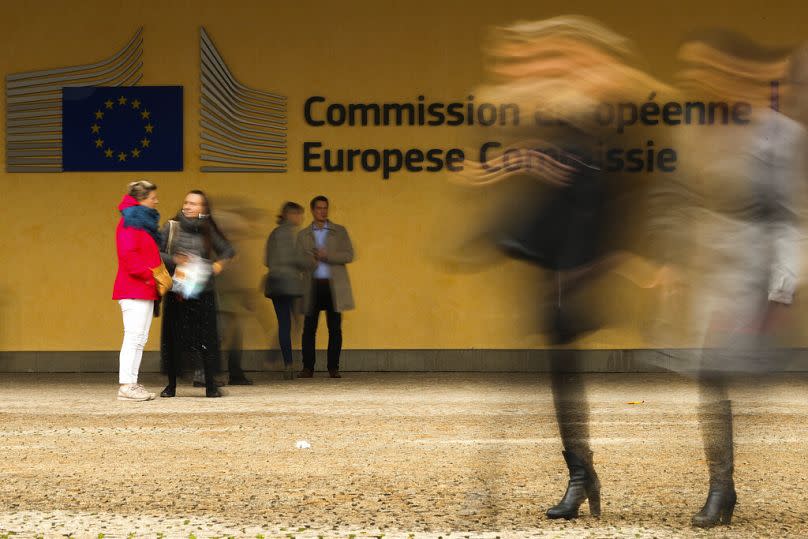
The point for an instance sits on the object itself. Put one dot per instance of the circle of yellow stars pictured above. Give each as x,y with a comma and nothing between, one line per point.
122,103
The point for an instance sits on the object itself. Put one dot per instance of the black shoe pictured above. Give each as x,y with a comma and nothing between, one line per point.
306,373
334,373
583,485
213,393
239,381
719,507
169,391
202,384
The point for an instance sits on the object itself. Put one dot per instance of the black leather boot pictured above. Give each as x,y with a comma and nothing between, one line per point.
719,507
583,485
239,380
211,387
211,384
716,428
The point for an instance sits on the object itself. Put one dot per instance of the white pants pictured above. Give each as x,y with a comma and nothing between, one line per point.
137,319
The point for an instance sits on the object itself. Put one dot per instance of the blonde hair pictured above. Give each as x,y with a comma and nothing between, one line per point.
140,189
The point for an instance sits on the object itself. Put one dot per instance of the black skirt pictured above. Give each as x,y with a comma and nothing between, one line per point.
190,337
564,229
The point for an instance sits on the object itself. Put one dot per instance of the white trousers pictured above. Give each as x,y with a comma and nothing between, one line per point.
137,319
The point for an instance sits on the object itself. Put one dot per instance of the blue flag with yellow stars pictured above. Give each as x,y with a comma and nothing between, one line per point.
131,128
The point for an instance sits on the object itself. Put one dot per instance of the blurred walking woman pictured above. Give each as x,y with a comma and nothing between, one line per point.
284,285
190,326
135,285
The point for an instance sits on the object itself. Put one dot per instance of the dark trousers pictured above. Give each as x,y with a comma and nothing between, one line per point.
322,301
283,311
233,338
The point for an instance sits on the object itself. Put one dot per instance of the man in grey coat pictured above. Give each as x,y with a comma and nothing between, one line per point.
324,249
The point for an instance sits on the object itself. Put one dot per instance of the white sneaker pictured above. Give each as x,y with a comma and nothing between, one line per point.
134,392
151,395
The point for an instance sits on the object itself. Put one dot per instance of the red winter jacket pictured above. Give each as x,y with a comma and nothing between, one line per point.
137,255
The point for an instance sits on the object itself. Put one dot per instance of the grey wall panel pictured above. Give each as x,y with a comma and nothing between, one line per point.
34,105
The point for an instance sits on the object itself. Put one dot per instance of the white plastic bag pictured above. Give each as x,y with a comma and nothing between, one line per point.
191,277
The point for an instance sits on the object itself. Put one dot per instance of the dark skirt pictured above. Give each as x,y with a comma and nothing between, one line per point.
190,338
565,229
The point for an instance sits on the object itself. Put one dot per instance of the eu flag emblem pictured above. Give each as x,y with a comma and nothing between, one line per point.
133,128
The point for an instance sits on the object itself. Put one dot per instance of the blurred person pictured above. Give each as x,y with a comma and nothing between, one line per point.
234,294
235,297
135,284
737,232
731,236
324,249
190,325
284,285
567,216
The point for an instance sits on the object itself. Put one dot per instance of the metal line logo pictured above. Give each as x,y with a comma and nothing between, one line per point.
242,129
93,117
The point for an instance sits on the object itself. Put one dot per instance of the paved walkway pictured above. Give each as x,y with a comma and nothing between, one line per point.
432,455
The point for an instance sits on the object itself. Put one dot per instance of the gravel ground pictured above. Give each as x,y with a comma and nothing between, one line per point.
399,455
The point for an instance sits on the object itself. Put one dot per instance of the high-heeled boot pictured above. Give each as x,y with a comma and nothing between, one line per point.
716,428
583,485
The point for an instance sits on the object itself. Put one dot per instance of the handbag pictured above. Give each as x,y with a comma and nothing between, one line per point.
163,279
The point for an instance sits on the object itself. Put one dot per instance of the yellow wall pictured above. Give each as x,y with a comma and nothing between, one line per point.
58,229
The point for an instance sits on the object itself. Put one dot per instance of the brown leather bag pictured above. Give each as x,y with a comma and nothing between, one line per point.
163,279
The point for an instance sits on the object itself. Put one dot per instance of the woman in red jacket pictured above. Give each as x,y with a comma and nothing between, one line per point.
135,287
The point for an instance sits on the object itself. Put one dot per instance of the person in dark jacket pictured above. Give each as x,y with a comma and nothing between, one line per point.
565,210
190,324
284,284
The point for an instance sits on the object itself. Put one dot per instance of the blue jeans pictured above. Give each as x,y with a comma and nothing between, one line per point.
283,311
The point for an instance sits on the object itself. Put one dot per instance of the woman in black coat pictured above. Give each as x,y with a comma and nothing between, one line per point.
190,324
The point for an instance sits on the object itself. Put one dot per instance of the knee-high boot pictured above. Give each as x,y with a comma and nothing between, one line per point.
583,485
716,428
